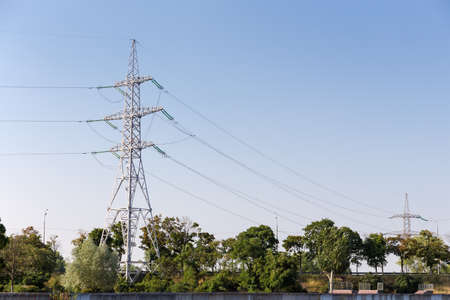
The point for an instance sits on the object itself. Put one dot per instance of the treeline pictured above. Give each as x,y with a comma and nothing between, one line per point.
191,259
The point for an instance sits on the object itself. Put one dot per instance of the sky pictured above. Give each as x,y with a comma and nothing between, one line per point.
353,95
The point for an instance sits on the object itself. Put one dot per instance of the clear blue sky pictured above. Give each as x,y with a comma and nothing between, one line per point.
354,94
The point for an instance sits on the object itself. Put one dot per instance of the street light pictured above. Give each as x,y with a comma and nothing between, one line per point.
45,216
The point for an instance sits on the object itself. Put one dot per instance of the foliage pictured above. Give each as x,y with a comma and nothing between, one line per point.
431,250
94,269
222,281
404,248
253,244
279,273
29,262
153,284
294,245
331,247
250,249
375,250
406,284
3,241
114,241
192,259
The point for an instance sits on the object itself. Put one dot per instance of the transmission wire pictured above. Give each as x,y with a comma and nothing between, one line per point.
202,199
254,201
276,162
291,190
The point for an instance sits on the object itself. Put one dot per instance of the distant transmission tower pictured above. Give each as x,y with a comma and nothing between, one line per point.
131,174
407,216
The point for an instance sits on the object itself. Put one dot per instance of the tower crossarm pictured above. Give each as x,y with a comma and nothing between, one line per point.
135,80
143,112
141,146
397,216
409,216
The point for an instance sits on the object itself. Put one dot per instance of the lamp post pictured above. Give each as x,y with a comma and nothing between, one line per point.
45,216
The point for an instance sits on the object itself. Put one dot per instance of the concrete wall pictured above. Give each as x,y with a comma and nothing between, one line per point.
24,296
242,296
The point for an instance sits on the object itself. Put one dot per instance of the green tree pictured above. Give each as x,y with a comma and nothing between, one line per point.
356,246
249,249
294,245
431,250
279,273
94,269
253,243
331,247
14,258
3,241
29,262
114,241
187,254
404,248
375,251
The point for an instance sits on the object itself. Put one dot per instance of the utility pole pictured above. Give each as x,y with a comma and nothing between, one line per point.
131,175
43,235
407,216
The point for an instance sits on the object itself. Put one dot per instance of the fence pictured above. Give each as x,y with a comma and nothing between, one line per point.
24,296
257,296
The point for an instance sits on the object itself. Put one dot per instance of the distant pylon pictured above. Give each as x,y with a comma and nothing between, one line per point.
131,173
407,216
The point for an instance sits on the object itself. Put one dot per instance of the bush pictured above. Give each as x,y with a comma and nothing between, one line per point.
406,284
152,283
22,288
223,281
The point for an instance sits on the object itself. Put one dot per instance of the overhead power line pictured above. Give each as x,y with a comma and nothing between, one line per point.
12,86
240,194
43,153
202,199
289,189
40,121
271,159
252,200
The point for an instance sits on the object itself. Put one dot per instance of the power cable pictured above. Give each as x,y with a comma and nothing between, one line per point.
101,163
106,98
99,134
7,86
40,121
43,153
202,199
271,159
245,197
175,141
152,118
254,201
289,189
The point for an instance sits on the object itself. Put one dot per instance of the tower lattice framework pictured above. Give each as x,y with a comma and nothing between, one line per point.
131,177
407,216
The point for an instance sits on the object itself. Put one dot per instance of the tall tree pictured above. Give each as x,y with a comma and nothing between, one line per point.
94,269
250,249
431,250
331,247
3,241
294,244
375,251
402,247
29,261
14,255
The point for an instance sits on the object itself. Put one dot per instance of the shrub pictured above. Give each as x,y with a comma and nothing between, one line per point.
406,284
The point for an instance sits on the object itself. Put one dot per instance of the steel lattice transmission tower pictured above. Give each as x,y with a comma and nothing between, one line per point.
407,216
131,177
